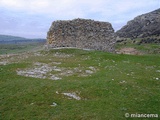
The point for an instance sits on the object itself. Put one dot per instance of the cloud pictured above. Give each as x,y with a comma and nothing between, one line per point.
23,13
74,8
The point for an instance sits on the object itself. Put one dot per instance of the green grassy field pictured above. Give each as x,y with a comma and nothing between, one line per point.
18,48
120,84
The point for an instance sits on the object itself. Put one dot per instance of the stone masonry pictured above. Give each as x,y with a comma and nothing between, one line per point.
82,33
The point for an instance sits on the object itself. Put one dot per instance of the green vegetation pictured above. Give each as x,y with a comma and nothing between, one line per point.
19,48
145,48
121,84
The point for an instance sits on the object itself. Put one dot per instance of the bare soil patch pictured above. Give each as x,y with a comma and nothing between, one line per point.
130,51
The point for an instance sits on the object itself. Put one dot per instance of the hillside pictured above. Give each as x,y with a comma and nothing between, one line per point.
13,44
145,25
141,35
8,39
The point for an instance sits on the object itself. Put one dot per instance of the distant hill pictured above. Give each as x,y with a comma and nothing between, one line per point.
142,26
8,39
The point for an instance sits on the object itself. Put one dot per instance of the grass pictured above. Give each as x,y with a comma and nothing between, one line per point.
122,84
18,48
145,48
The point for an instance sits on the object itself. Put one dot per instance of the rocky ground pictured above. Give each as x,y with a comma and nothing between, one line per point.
44,70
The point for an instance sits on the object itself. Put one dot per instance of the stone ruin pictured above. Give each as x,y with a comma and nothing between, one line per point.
81,33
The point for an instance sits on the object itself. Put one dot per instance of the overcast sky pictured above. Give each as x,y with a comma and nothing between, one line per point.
32,18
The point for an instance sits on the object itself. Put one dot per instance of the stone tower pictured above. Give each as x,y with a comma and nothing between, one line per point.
82,33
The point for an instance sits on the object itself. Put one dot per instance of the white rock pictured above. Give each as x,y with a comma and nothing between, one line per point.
89,72
56,69
32,104
53,77
53,104
57,92
157,70
122,81
72,95
56,63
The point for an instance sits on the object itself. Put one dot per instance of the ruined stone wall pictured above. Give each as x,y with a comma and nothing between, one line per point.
82,33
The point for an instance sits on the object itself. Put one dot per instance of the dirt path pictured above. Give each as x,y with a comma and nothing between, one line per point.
130,51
